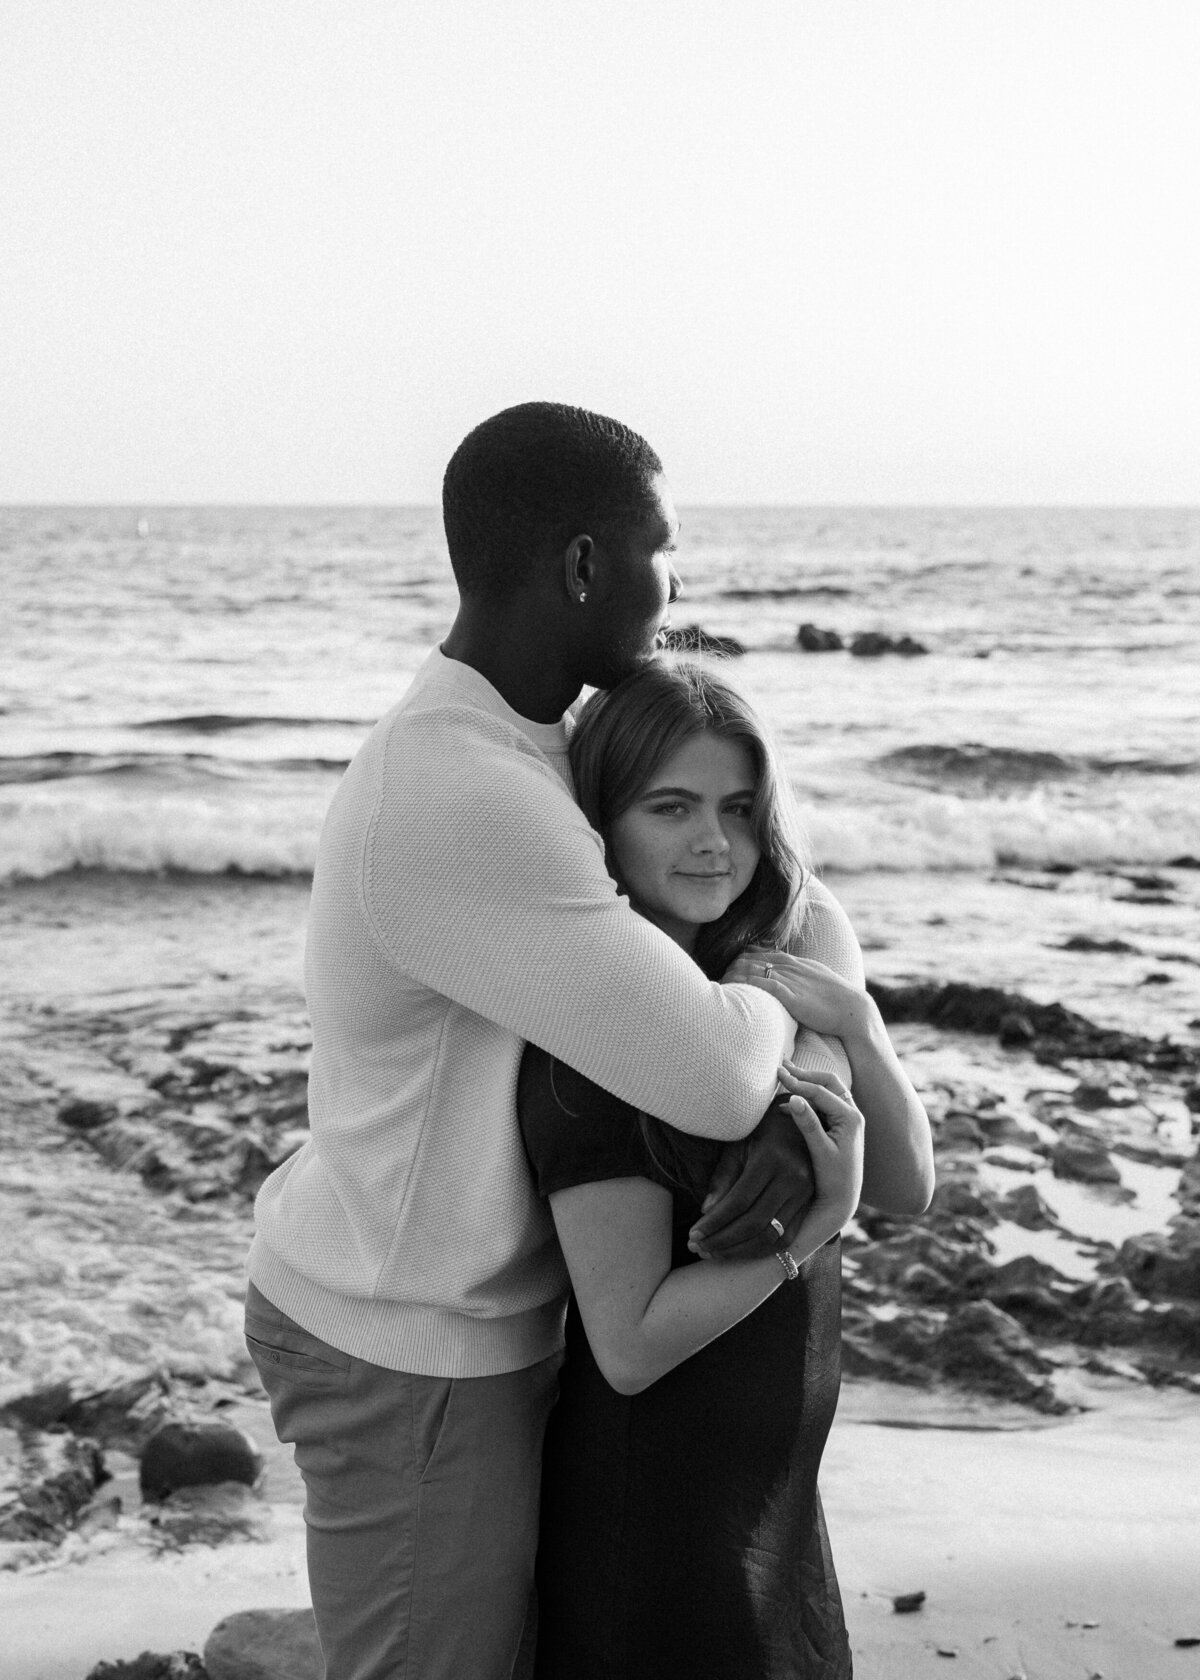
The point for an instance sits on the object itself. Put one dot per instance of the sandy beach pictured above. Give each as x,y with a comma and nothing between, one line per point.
1053,1552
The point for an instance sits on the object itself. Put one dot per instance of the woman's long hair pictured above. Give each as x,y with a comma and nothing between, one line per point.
621,739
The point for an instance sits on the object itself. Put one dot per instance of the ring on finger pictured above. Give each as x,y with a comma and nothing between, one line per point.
767,970
777,1228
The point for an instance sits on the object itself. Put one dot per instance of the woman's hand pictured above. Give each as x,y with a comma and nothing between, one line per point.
833,1128
813,995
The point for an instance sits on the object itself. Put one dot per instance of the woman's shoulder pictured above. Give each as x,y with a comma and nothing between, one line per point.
574,1130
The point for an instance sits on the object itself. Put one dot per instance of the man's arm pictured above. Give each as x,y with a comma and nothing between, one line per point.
771,1177
482,880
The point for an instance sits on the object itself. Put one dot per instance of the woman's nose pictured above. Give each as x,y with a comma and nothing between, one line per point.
710,836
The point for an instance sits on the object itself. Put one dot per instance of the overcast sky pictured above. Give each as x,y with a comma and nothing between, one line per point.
817,250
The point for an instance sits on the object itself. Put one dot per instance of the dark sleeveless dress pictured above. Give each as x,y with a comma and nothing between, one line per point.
682,1536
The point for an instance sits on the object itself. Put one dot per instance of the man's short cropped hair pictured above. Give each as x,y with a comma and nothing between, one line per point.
530,479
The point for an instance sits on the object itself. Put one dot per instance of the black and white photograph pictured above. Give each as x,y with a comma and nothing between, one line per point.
599,840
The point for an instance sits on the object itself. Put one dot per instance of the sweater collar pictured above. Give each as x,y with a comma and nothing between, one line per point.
470,684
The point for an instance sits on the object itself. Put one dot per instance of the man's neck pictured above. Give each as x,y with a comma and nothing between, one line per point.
518,661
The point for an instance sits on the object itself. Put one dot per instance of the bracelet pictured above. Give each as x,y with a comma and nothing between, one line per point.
791,1270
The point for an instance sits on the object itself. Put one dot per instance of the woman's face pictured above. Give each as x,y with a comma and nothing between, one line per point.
686,848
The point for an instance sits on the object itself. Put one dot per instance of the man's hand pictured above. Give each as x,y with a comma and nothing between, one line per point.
768,1177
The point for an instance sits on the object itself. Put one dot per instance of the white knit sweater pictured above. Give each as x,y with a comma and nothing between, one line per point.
461,906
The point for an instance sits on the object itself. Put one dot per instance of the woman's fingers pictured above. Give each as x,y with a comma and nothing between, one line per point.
827,1103
817,1076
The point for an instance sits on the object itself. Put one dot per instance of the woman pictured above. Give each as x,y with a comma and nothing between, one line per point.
681,1530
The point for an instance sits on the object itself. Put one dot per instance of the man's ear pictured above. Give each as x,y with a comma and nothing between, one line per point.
579,567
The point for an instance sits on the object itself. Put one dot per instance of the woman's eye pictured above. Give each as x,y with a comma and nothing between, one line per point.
668,808
741,808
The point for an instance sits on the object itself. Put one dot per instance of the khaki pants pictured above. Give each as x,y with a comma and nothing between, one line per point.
421,1507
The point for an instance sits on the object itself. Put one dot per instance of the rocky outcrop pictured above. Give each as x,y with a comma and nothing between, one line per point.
1052,1031
870,644
45,1481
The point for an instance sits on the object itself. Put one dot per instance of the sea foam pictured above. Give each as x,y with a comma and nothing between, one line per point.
48,830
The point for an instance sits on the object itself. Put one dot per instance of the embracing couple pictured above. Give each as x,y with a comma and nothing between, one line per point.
585,1026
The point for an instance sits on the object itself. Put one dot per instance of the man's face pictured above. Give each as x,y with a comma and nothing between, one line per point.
637,583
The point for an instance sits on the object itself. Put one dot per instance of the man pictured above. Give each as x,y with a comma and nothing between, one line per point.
406,1301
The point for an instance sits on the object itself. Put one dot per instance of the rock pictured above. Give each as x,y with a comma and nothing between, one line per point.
922,1283
1014,1159
210,1515
122,1416
265,1645
1057,1031
1090,1096
1026,1207
1030,1291
175,1665
1083,1159
180,1455
1164,1263
1191,1097
905,1603
958,1198
814,640
1015,1030
958,1129
1157,979
47,1480
37,1409
985,1348
694,638
870,644
82,1115
1115,947
886,1262
910,1335
1001,1127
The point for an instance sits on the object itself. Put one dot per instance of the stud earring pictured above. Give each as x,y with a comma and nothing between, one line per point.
582,596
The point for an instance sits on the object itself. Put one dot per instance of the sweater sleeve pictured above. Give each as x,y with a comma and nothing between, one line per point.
483,881
827,937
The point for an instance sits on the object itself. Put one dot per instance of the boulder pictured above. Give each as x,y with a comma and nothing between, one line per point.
1083,1159
815,640
180,1455
265,1645
1164,1263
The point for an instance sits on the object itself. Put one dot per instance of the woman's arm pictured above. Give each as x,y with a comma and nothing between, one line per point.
898,1157
641,1317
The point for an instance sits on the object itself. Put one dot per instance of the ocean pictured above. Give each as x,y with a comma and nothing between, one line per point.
181,688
